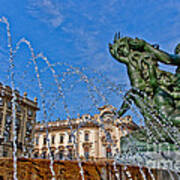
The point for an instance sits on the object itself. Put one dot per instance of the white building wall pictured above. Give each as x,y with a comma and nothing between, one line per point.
97,149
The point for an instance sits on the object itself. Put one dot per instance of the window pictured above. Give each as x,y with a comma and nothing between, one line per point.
70,138
87,117
36,155
1,117
44,140
1,101
52,154
52,139
108,137
86,136
61,139
108,152
30,113
18,107
61,155
17,124
7,128
28,128
8,119
37,140
70,155
5,153
6,135
9,104
44,155
86,154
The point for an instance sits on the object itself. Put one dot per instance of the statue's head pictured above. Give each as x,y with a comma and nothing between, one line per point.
120,47
177,49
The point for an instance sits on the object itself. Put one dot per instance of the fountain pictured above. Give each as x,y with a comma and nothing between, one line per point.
152,92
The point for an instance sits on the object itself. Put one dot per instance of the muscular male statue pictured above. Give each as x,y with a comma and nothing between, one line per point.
155,92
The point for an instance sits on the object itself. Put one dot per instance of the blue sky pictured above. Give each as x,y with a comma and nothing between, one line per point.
78,33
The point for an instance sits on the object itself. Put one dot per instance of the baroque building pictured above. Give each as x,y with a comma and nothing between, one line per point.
94,137
25,122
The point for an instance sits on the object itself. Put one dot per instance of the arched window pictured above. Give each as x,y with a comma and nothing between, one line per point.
86,136
61,138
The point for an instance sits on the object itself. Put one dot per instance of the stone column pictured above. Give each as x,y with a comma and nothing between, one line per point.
4,117
25,117
97,143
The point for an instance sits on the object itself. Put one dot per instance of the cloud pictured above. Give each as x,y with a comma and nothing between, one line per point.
90,25
46,11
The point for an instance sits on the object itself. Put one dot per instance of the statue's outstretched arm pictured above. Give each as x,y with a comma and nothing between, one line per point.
163,56
126,103
124,108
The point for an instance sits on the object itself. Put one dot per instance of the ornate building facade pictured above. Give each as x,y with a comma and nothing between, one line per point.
25,122
91,137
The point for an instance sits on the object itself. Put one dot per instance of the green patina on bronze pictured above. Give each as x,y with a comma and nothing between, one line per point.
155,92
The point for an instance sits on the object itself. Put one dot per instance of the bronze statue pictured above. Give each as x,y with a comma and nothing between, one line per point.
155,92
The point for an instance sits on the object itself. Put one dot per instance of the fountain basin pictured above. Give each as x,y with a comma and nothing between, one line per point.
34,169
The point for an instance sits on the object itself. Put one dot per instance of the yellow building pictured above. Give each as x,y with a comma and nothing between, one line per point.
97,137
25,121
